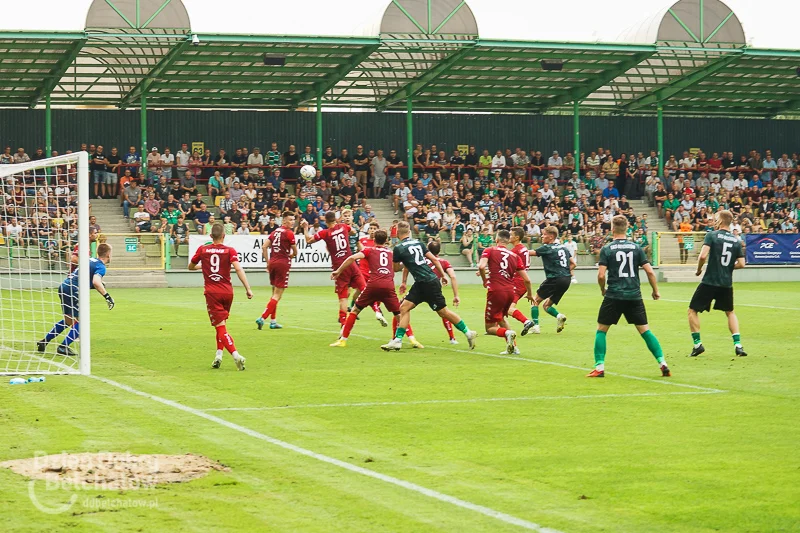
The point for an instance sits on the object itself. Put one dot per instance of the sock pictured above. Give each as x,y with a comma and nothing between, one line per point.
737,340
552,311
449,327
400,333
599,349
274,309
696,339
462,327
409,331
352,304
535,314
519,316
58,327
342,317
72,335
348,325
270,309
654,346
395,321
225,338
376,307
220,345
218,354
501,332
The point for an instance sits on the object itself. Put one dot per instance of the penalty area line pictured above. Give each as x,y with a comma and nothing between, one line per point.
413,487
538,361
462,401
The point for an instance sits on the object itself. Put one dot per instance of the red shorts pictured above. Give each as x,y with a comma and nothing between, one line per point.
350,278
519,290
497,304
385,295
279,274
219,306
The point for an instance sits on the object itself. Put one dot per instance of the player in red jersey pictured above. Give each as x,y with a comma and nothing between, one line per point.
278,250
517,234
216,261
336,239
497,268
380,287
74,257
435,247
363,266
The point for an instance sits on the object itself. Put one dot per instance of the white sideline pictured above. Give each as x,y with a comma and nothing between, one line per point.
685,302
539,361
452,500
467,400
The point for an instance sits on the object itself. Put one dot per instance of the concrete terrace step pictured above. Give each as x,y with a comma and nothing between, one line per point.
135,278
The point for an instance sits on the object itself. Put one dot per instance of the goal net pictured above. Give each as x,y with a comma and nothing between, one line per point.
45,208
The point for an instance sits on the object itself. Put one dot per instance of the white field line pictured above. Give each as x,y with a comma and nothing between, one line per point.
413,487
686,302
461,401
666,381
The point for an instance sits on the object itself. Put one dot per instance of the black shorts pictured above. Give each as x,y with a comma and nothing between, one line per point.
554,288
611,310
429,292
704,294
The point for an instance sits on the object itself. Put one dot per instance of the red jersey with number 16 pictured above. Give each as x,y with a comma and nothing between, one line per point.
337,239
503,265
522,251
381,271
216,261
281,242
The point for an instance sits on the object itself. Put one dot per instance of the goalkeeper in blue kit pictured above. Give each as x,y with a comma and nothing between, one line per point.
68,295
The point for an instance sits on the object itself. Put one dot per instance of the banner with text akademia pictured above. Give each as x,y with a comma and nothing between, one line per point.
773,249
249,249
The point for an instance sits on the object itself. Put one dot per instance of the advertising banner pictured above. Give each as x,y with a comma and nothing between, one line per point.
249,249
772,249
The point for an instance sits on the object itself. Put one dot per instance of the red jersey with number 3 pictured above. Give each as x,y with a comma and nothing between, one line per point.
366,242
280,248
445,265
522,251
503,266
337,239
381,270
216,261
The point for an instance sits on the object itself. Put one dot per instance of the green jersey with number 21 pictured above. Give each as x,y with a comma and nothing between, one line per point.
623,259
726,248
411,253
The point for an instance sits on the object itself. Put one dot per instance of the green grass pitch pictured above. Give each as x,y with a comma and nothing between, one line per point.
505,443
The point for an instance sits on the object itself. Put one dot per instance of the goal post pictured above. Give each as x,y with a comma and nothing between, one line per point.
45,208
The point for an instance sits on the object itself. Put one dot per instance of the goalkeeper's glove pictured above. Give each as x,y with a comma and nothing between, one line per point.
109,301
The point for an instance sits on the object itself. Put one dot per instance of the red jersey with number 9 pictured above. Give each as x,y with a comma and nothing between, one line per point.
503,265
381,270
337,239
281,242
216,261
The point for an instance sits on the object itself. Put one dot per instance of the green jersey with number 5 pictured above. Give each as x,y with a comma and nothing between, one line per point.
411,253
623,259
726,248
555,260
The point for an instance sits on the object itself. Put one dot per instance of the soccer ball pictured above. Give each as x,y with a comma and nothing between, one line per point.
308,172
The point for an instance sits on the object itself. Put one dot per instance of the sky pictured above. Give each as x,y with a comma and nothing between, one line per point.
767,23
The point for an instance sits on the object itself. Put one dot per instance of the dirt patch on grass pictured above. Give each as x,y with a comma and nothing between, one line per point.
114,471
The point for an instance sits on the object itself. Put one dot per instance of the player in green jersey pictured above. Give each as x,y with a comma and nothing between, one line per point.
558,266
723,250
410,254
621,259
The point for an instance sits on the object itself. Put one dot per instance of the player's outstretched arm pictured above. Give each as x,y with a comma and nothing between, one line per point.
404,282
97,283
243,279
572,265
347,262
483,263
527,280
601,279
740,263
651,277
294,251
193,266
701,259
265,248
437,266
451,273
310,239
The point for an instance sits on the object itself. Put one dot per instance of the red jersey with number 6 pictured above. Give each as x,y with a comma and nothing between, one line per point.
381,270
216,261
337,239
281,242
503,266
522,251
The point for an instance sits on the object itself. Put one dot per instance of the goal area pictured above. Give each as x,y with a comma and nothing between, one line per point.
44,236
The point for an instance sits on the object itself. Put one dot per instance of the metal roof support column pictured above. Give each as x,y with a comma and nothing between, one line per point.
409,136
576,128
660,134
143,126
48,132
319,132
